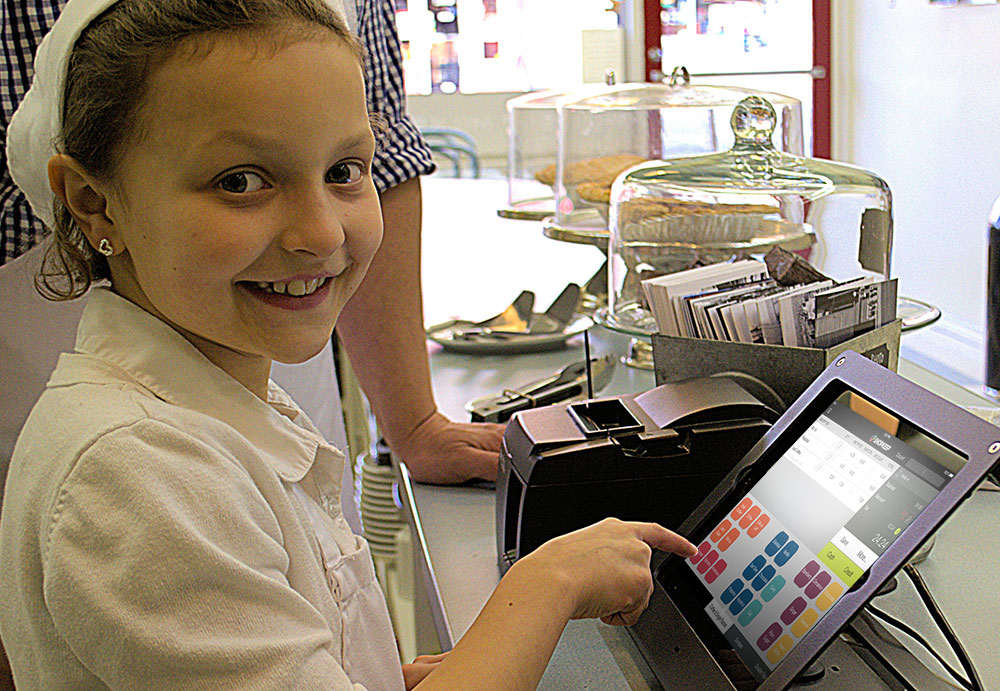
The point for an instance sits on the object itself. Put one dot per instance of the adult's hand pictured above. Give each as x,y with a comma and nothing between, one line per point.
444,452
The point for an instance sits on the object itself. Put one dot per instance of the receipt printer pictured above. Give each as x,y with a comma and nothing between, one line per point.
652,456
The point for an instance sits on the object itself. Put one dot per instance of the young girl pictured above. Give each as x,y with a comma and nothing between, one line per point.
171,518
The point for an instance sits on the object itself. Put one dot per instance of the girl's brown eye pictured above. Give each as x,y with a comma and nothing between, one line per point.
241,183
345,172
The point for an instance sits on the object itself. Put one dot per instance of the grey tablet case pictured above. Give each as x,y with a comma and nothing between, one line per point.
826,508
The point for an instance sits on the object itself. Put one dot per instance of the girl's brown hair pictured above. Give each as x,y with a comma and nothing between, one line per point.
106,84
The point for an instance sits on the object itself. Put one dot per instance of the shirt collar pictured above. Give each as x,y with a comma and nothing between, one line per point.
151,353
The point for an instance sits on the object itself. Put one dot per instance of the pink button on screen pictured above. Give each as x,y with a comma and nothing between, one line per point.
817,585
793,610
708,561
769,636
702,551
716,571
807,572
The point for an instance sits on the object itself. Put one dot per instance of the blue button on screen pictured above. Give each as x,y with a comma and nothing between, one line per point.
775,544
786,553
754,567
735,587
766,574
740,602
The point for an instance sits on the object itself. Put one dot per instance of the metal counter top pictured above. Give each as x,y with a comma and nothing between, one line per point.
455,525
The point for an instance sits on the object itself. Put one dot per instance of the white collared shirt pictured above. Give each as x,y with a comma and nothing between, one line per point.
151,534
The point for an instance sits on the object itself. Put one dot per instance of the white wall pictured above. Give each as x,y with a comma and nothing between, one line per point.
917,100
484,116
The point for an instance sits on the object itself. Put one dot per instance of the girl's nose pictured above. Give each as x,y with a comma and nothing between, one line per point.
314,224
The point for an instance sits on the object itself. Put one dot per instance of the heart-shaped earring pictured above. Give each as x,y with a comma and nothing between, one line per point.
105,248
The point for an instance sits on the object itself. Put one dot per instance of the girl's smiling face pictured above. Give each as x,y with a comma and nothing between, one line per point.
245,204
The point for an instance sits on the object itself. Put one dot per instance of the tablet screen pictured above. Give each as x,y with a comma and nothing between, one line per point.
789,546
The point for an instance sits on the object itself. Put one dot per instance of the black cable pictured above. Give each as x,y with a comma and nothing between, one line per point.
893,621
942,622
973,682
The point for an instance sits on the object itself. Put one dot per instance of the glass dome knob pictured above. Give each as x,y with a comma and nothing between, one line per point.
754,120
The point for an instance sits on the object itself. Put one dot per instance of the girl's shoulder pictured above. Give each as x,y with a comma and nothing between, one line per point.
103,436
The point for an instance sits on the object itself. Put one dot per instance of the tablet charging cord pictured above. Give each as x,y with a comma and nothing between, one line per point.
972,682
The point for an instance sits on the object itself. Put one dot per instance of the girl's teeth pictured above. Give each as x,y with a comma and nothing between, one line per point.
294,288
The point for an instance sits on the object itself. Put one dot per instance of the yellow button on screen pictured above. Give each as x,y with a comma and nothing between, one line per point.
778,650
803,623
829,596
839,564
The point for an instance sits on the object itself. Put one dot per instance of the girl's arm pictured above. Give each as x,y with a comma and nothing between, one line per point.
598,572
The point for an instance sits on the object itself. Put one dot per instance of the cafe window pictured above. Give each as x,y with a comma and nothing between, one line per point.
482,46
771,45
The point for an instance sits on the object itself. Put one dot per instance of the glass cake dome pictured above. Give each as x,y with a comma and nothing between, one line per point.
607,130
670,215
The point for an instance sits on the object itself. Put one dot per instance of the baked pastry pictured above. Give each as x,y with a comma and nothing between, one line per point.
601,170
696,223
547,175
594,192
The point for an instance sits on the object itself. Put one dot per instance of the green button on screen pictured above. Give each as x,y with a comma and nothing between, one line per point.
839,564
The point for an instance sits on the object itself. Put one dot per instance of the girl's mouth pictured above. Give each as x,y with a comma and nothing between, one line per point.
290,295
293,288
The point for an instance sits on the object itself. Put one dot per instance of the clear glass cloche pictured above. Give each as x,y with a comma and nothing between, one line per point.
674,214
606,131
532,150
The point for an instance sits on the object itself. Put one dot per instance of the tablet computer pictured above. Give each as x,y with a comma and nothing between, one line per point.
826,508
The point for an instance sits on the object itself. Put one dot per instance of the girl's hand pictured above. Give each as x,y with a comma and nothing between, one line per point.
605,567
423,665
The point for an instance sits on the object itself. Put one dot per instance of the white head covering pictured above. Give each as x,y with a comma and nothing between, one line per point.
36,125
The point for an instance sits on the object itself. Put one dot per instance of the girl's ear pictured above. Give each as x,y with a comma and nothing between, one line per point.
85,198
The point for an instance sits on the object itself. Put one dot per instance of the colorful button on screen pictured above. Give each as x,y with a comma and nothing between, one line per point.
773,588
753,568
806,574
777,543
749,517
804,533
816,586
702,551
741,509
717,568
734,588
801,626
720,531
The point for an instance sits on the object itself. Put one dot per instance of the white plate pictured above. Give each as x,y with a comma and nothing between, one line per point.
450,338
381,514
383,507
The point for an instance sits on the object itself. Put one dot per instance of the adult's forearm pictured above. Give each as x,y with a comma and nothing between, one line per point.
382,325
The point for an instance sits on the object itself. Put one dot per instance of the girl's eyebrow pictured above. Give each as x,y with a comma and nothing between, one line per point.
254,141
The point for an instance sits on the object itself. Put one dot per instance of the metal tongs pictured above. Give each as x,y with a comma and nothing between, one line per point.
518,319
567,383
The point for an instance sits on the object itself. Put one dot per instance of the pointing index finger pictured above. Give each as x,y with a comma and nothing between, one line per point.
658,537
